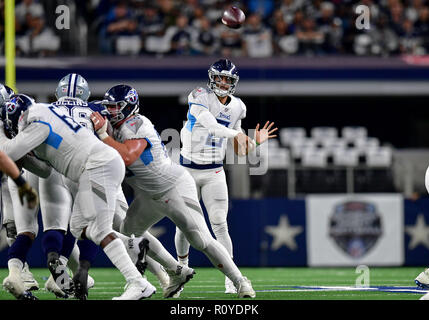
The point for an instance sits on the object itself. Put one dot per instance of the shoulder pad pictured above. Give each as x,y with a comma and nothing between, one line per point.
134,123
198,92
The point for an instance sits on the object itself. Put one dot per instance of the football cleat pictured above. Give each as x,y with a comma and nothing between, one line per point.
52,287
90,282
80,284
59,273
27,277
137,290
245,289
27,295
178,279
422,280
425,297
229,286
141,263
14,284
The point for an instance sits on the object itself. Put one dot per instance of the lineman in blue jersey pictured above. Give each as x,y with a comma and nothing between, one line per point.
214,115
162,188
97,169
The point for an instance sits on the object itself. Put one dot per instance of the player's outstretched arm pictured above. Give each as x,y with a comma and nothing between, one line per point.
130,150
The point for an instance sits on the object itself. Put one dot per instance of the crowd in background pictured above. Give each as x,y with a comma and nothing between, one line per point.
193,27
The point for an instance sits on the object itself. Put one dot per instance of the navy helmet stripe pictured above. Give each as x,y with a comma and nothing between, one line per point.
68,87
75,85
72,85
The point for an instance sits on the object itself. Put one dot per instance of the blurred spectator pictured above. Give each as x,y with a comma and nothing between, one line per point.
205,39
422,27
180,36
284,40
257,38
262,7
120,33
288,9
310,38
39,39
231,42
272,27
331,27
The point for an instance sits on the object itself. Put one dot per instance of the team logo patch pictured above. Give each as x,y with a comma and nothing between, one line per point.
355,227
11,107
134,124
132,96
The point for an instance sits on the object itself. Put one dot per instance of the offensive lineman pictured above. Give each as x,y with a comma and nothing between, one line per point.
97,169
162,188
214,115
8,208
58,192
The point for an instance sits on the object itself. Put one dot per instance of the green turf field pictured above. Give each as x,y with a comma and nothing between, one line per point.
269,284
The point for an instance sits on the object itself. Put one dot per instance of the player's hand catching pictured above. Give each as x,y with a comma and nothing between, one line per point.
100,125
27,192
262,135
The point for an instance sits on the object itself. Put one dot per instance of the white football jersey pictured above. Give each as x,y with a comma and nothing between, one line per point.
153,172
69,147
198,145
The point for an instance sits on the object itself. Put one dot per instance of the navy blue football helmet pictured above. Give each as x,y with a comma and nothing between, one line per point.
121,101
223,68
4,95
13,109
9,91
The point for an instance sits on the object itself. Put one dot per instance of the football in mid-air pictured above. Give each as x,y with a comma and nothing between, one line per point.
233,17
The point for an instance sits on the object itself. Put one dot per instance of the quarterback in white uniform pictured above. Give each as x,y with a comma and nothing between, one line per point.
162,188
214,115
98,170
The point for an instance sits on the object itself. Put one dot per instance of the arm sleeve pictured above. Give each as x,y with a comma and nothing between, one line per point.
208,121
36,166
25,141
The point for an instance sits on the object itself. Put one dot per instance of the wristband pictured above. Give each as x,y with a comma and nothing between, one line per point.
103,135
257,144
20,181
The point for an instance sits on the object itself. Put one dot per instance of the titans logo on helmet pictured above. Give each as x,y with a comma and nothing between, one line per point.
10,107
131,96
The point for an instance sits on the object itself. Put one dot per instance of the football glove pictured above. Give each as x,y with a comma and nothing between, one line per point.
26,191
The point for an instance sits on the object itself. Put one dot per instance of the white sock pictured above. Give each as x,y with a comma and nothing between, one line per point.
183,261
73,260
117,253
182,247
63,260
15,265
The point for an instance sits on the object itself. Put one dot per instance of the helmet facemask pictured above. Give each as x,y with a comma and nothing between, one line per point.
116,110
215,82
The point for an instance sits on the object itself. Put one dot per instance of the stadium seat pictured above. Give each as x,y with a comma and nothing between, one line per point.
346,157
378,157
314,157
352,133
299,146
287,135
324,133
273,144
278,158
365,144
334,144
